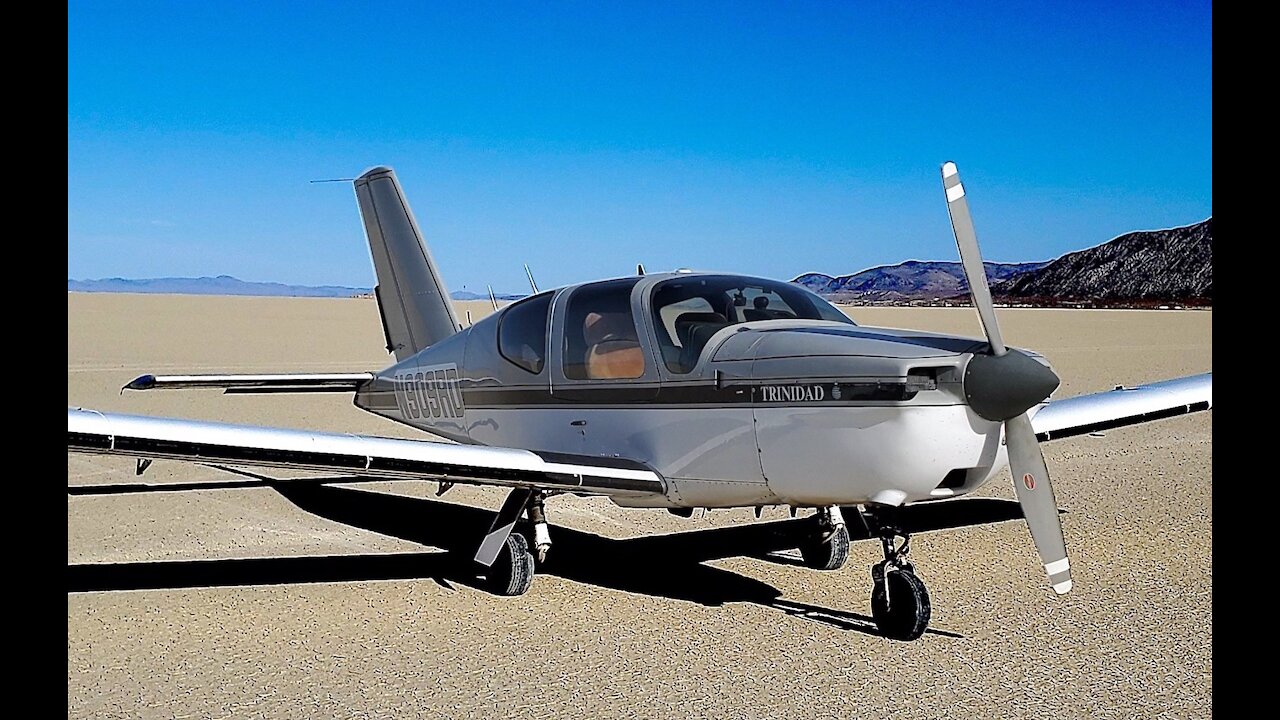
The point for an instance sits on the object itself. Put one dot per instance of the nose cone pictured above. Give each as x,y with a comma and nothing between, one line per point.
998,388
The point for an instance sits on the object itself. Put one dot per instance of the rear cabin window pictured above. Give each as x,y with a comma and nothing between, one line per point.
600,337
522,333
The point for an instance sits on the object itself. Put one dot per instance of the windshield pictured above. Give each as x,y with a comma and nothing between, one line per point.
688,311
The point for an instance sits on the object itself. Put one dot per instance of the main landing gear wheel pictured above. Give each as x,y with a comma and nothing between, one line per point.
828,554
512,572
899,599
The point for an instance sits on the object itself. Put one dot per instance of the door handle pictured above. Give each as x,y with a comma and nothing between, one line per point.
578,423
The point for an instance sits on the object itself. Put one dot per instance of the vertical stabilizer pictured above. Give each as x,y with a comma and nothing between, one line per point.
412,299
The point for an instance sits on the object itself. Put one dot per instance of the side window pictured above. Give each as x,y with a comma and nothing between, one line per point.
600,337
687,313
522,332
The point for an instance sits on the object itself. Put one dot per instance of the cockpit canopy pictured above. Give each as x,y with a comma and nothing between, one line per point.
687,311
602,338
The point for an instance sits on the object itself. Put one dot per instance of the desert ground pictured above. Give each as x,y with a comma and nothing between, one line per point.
340,601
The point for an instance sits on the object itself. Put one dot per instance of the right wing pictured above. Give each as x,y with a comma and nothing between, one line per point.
139,436
1123,406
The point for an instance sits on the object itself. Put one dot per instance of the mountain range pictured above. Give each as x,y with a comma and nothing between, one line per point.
910,280
1138,268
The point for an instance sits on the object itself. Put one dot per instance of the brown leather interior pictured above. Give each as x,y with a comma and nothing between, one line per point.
615,359
612,348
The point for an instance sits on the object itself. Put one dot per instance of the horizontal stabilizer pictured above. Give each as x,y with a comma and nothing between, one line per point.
1123,406
274,383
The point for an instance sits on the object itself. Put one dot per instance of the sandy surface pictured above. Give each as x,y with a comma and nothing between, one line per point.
238,603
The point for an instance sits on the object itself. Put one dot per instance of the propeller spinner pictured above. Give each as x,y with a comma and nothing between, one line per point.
1001,386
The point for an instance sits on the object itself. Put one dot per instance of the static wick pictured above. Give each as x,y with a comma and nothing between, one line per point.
333,180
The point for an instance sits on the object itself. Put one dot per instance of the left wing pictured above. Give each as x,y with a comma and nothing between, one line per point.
1123,406
139,436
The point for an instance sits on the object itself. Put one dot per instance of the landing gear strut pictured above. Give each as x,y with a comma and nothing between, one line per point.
826,546
541,533
899,600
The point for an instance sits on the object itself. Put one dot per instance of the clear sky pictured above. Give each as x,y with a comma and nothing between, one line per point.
768,138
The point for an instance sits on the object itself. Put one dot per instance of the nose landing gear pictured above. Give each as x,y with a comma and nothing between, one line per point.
899,599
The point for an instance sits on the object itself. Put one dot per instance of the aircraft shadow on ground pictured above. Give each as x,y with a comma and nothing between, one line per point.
671,566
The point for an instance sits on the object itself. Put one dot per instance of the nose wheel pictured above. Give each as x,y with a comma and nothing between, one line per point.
899,599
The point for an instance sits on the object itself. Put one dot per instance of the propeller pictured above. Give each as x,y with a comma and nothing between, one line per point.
1001,386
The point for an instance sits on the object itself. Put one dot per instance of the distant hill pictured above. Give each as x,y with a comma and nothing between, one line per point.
220,285
228,285
910,280
1151,265
468,295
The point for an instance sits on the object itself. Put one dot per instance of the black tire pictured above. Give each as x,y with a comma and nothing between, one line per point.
904,613
829,554
512,573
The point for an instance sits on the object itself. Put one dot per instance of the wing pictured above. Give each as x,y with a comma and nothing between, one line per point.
1123,406
139,436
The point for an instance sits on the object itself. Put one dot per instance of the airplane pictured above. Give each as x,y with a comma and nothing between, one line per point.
673,390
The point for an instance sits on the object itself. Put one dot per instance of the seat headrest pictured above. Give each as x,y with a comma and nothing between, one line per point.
599,327
702,317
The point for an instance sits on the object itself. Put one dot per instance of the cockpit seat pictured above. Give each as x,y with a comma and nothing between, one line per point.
752,314
694,329
615,359
761,311
613,351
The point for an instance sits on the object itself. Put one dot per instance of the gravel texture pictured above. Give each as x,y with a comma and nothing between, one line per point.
246,603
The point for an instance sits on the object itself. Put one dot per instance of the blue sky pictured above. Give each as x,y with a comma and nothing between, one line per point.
766,138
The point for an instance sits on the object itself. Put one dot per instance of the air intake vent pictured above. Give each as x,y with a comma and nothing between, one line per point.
923,378
954,479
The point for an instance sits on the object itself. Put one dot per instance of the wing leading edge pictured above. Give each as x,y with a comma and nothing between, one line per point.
1123,406
98,433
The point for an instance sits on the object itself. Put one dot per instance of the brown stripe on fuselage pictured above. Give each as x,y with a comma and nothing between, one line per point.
693,394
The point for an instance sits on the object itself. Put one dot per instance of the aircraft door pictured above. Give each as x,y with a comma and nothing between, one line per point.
602,369
702,424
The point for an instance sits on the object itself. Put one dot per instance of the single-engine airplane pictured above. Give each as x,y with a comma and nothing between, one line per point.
675,390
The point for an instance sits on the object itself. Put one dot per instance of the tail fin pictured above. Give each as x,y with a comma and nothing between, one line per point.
412,299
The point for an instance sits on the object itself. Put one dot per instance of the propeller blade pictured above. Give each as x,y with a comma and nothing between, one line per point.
1035,494
970,257
493,298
